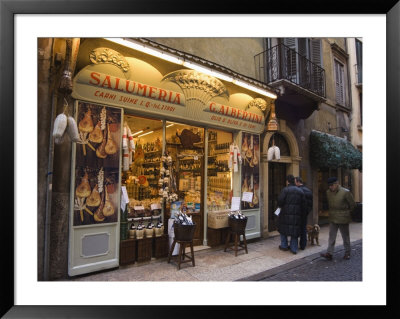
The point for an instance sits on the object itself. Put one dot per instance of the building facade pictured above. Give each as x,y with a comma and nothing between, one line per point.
188,105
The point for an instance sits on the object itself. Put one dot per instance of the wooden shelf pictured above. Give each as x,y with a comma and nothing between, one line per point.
150,152
151,163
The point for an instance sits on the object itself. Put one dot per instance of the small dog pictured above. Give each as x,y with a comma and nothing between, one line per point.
313,233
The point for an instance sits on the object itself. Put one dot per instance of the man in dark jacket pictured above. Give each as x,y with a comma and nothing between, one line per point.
309,204
293,205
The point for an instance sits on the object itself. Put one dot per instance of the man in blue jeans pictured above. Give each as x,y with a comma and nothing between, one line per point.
309,203
293,205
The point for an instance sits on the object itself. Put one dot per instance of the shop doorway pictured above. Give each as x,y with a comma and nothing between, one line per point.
276,182
185,144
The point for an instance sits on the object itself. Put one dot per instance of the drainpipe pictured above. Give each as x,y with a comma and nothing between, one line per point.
47,222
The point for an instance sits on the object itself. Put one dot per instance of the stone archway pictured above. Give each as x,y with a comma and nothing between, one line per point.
292,163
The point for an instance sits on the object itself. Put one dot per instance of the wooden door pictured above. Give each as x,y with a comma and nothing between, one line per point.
276,182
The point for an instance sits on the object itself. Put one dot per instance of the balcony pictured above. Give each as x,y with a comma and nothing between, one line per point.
301,82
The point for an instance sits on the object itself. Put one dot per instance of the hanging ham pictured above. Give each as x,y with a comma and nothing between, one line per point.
100,152
96,136
86,124
83,190
108,209
98,215
111,146
94,199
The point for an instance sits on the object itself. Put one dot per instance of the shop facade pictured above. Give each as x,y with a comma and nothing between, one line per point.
155,137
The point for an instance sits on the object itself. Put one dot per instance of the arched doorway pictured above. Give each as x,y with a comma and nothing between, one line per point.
276,178
275,172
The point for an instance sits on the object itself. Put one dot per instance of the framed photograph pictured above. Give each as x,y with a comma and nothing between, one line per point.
19,127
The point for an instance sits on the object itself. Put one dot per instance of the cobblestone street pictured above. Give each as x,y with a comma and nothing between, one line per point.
319,269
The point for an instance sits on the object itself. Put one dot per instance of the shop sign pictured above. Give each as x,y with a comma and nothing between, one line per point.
234,117
194,102
109,89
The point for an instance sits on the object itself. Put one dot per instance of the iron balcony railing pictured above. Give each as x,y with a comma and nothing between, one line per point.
283,63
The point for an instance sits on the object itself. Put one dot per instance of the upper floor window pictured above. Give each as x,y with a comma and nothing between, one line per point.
359,61
339,83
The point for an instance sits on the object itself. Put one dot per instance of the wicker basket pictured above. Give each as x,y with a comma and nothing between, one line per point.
159,231
132,233
139,233
149,232
218,219
238,225
184,232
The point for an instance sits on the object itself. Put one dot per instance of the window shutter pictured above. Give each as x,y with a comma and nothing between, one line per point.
339,80
359,60
302,47
315,52
316,59
290,42
291,59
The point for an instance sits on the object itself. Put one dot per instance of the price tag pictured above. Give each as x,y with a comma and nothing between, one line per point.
247,197
190,205
195,157
155,206
235,204
138,208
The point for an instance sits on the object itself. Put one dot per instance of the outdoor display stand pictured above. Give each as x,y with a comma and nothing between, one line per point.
183,236
127,253
160,246
237,228
144,249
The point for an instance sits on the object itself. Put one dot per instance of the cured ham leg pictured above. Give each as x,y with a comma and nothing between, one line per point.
111,146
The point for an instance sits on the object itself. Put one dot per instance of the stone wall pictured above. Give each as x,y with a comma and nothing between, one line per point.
53,166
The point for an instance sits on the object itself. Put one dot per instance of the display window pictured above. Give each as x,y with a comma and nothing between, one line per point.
185,145
251,169
219,182
142,160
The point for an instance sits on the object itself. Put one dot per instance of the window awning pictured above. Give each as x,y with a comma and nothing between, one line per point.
329,151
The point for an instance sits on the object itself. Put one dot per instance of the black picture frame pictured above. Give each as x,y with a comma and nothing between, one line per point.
9,9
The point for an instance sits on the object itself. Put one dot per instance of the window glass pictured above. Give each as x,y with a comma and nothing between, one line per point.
251,169
219,182
185,145
141,167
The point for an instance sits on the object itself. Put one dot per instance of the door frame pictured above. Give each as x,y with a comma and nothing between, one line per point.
292,167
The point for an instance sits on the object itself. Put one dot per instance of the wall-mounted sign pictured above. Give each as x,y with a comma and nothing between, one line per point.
182,94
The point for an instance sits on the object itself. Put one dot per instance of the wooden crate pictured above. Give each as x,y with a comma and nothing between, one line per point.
213,237
127,251
160,246
144,249
224,233
217,219
216,237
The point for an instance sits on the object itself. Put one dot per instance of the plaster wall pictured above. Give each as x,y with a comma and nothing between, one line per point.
236,54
